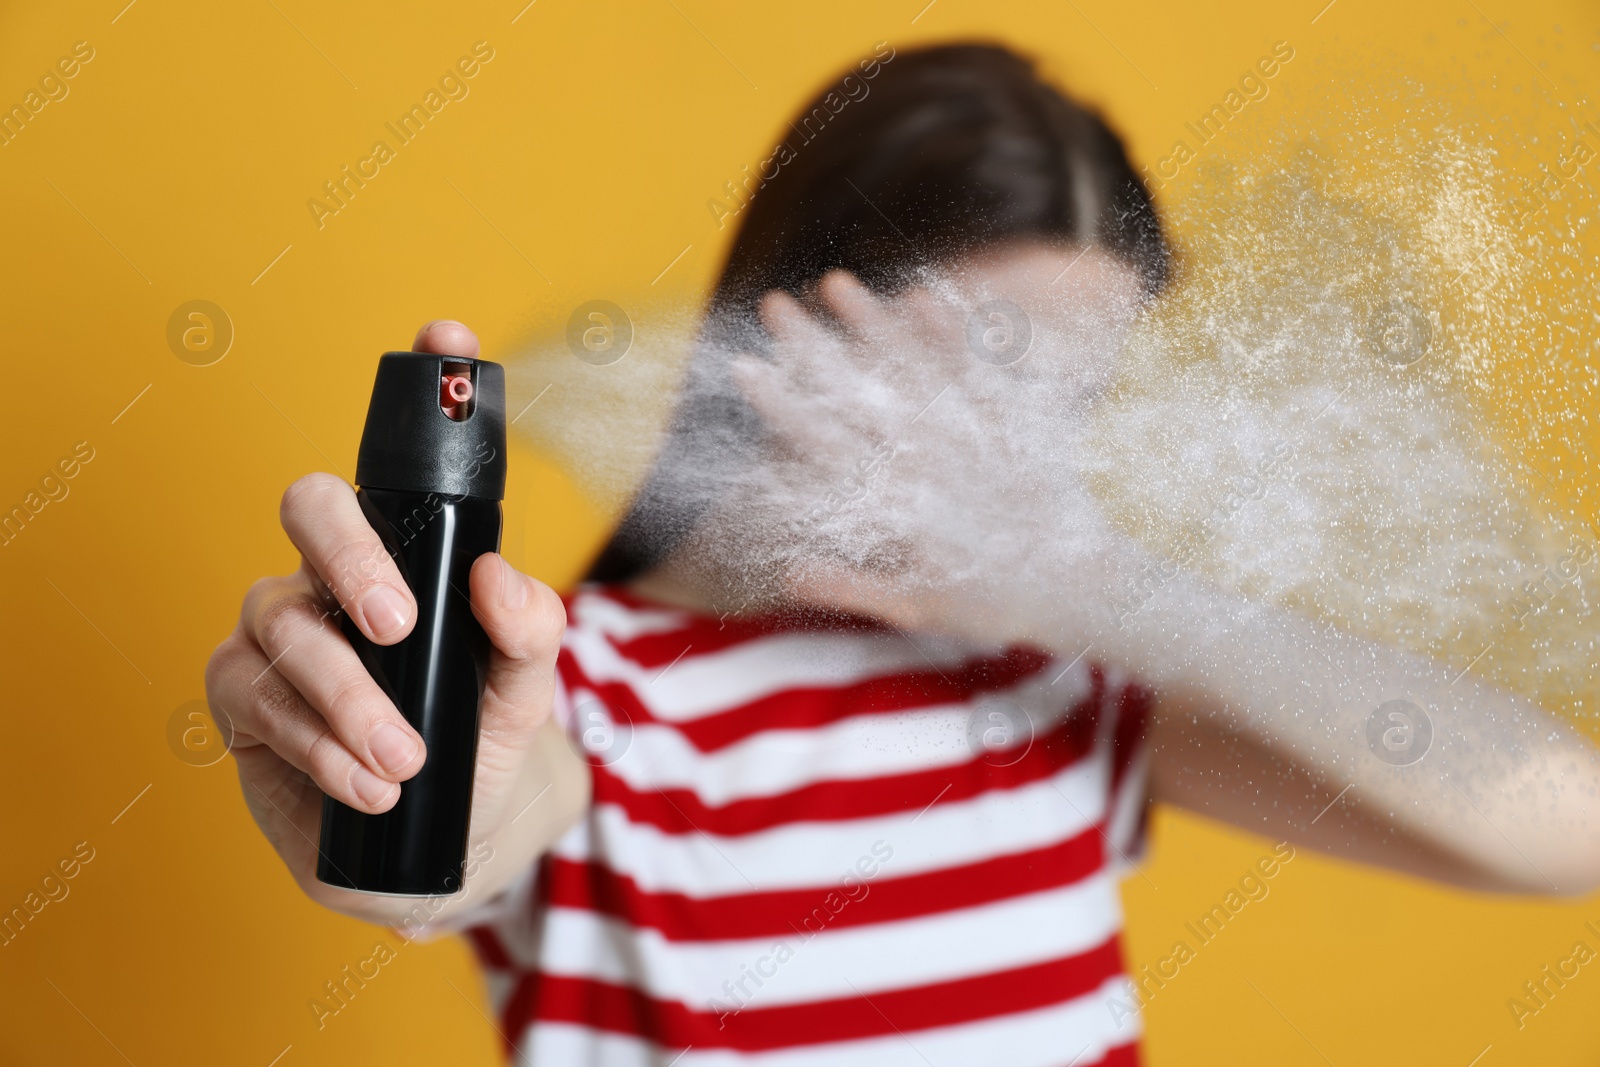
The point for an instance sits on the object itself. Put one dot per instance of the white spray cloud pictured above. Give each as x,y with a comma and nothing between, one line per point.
1306,417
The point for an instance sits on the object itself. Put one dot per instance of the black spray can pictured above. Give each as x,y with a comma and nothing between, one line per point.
432,473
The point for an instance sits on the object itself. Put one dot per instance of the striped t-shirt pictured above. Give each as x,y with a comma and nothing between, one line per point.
826,843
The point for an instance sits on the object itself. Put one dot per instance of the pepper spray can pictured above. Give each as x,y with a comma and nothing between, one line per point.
431,474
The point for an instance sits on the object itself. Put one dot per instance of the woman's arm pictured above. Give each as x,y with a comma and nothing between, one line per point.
1279,726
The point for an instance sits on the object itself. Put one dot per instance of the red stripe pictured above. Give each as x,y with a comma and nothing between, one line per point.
706,634
1133,715
670,1024
1121,1056
681,811
809,707
711,633
490,950
863,901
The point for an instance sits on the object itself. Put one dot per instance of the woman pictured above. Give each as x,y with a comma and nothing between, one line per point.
862,770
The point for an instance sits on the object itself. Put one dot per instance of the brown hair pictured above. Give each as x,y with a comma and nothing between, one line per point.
940,152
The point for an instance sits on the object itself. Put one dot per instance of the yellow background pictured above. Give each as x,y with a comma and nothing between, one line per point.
578,167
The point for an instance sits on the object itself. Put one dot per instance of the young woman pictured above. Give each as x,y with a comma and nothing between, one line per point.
797,839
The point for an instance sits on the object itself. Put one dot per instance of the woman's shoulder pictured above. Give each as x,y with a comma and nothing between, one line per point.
642,626
780,671
616,624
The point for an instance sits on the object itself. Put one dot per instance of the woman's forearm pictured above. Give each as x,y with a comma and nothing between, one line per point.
1448,760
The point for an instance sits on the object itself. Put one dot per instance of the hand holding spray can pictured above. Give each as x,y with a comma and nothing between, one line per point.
432,474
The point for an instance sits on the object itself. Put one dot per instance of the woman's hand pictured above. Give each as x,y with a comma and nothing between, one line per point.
308,719
937,483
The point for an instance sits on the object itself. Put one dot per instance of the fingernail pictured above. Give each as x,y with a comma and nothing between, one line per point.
513,588
385,611
391,747
369,787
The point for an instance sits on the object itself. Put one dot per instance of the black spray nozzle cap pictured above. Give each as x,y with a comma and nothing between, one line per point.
411,442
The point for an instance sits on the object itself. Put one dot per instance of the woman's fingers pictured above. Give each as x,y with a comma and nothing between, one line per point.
285,803
869,325
783,317
786,410
266,710
446,337
824,362
804,426
938,328
323,519
307,651
852,304
524,619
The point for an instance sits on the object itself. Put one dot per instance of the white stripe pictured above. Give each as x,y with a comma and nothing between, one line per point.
708,684
866,746
616,620
801,854
806,965
1043,1037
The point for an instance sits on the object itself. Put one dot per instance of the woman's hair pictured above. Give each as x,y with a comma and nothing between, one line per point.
939,153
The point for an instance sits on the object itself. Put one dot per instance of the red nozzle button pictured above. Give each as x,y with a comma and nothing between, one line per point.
455,392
